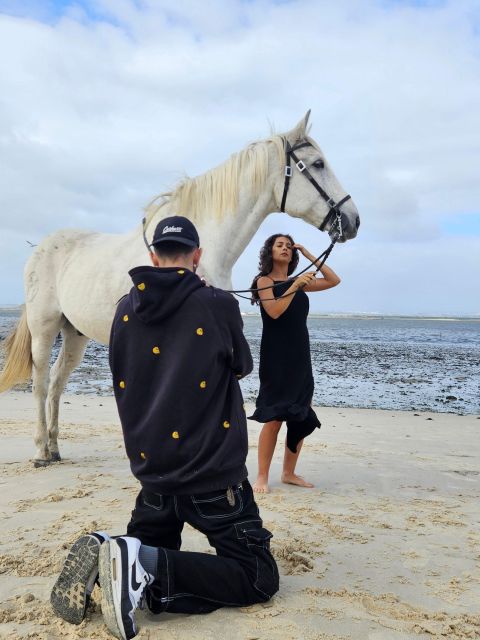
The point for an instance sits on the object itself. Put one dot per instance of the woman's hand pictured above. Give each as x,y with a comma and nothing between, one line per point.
306,254
300,248
304,280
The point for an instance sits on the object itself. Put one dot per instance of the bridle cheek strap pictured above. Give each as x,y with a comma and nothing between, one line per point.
288,169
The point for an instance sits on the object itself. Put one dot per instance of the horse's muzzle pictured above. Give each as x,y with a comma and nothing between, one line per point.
350,225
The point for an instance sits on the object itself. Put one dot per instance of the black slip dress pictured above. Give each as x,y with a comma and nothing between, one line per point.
286,380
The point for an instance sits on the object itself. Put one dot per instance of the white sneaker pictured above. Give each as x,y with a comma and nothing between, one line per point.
123,581
71,592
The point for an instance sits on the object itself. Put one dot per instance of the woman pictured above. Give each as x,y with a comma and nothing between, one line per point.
286,380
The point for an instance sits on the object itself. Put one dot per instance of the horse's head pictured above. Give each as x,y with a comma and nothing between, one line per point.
307,187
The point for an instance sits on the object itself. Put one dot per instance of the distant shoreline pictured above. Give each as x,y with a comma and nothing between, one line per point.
359,315
373,316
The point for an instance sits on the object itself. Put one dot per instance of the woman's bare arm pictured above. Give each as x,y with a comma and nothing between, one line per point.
330,278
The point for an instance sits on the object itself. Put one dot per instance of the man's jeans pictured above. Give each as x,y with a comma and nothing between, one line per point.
242,573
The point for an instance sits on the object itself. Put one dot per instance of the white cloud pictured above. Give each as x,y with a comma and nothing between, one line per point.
96,117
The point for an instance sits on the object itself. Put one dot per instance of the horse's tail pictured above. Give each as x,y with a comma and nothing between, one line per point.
18,362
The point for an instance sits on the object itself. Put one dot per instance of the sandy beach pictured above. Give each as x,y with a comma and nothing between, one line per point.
386,546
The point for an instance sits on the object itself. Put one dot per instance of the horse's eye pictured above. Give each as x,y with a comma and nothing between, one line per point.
319,164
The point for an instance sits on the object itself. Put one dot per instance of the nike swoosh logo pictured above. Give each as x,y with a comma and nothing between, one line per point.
135,585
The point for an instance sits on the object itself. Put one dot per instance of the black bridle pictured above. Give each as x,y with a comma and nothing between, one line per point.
334,215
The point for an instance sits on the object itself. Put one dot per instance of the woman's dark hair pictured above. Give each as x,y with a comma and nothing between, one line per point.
265,263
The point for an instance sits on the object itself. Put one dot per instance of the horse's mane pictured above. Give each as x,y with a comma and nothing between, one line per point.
216,191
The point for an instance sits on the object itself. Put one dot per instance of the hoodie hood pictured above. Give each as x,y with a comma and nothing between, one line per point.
158,292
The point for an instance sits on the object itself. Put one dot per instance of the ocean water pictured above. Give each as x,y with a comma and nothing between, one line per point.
372,362
390,363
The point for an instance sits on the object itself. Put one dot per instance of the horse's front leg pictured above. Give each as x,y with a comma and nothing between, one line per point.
71,353
40,355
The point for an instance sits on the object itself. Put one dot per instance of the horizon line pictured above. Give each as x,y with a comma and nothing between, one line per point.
326,314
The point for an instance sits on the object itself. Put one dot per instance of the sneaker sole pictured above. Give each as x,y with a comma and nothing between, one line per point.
69,594
110,568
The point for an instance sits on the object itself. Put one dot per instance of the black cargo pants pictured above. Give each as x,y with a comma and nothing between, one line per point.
242,572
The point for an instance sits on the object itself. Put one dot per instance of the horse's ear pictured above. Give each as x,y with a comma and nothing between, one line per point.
300,131
306,118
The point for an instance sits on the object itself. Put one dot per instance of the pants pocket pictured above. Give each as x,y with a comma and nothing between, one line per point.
258,537
153,500
218,504
258,542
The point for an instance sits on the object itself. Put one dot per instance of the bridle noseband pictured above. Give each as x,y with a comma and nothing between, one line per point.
334,215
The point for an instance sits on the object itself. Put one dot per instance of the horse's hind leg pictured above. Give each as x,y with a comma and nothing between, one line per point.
43,335
71,353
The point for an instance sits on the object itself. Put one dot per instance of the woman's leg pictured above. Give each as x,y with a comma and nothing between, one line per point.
289,463
266,447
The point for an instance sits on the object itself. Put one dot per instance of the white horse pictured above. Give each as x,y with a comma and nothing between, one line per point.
75,278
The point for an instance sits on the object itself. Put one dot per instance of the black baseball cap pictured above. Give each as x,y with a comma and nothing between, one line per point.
176,229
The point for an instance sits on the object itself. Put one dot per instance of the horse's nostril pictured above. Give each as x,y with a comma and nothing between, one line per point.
357,221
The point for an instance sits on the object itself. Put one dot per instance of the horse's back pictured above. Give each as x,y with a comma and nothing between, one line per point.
81,275
56,247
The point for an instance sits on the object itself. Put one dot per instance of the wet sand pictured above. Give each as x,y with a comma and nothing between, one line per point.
385,547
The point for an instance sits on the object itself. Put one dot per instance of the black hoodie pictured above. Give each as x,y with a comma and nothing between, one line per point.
177,350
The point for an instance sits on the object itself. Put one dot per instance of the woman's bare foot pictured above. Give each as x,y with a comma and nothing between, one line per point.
261,485
292,478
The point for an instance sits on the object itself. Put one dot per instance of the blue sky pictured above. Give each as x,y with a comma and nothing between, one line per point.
461,224
48,10
108,102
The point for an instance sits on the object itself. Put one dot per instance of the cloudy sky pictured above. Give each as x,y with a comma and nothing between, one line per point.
106,103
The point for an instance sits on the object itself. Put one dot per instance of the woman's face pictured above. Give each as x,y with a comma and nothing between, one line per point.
282,250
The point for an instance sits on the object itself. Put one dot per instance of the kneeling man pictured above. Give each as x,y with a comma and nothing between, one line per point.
177,352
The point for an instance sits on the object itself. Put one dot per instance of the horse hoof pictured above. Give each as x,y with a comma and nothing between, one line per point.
55,456
41,463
